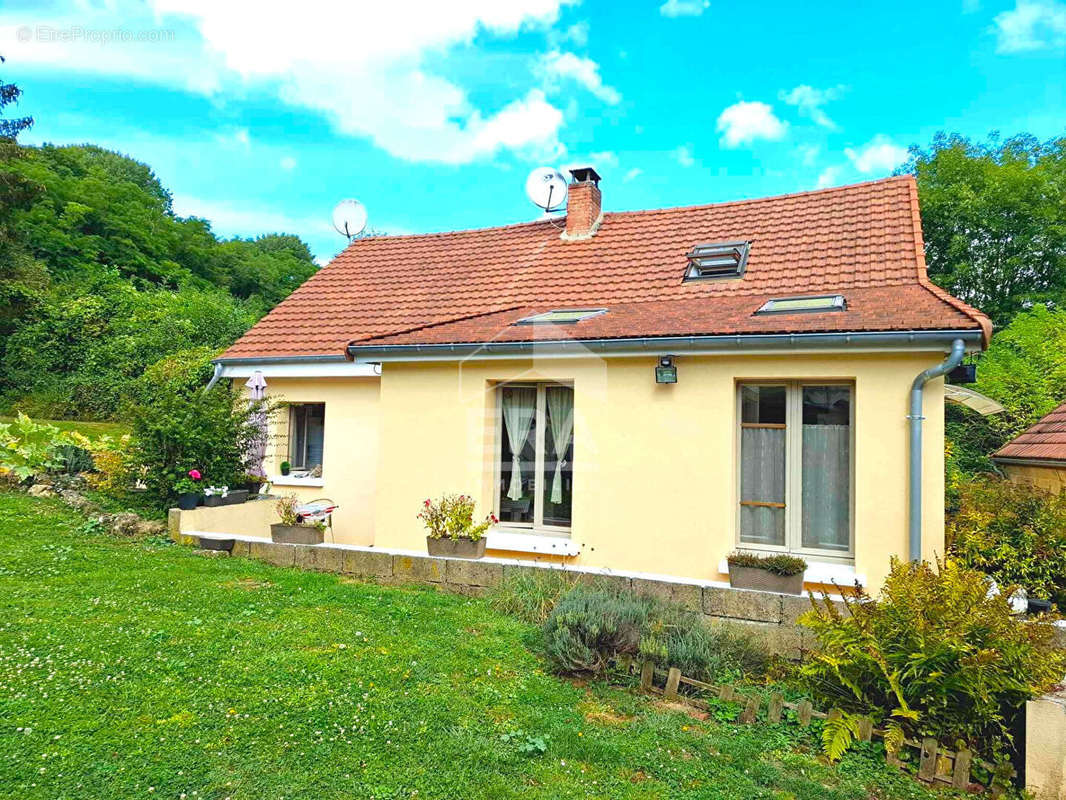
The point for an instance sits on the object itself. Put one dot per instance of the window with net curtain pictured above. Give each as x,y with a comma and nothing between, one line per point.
795,470
536,454
307,422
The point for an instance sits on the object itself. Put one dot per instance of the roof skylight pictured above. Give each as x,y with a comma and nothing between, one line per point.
801,305
720,260
562,316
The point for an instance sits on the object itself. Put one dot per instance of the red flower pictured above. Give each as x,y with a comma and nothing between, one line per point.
195,474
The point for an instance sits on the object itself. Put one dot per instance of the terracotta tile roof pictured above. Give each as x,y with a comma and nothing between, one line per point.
1045,441
863,241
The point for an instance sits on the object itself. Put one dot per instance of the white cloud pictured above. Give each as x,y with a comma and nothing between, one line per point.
1031,25
880,154
365,67
558,65
607,158
683,8
227,220
578,33
683,155
828,177
238,137
287,163
744,122
632,174
809,101
808,153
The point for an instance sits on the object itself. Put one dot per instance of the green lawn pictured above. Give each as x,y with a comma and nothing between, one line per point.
140,669
90,429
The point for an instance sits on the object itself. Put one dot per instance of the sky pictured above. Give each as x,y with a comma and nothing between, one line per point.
261,116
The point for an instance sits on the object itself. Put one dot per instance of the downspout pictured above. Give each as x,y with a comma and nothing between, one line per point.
958,350
214,378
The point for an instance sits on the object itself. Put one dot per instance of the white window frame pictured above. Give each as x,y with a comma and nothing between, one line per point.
290,437
794,472
537,526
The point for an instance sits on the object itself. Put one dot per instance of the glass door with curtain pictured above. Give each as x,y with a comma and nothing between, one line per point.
534,468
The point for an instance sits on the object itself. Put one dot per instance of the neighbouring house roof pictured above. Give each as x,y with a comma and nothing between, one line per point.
1044,441
863,242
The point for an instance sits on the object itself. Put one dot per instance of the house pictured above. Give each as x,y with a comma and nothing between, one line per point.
1037,456
641,391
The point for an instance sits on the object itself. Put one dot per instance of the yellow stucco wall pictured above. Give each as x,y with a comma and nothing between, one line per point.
654,465
1050,479
349,453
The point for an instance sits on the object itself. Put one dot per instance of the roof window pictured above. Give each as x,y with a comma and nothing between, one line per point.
562,316
720,260
802,305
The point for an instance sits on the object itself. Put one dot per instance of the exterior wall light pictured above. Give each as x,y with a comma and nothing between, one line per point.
665,370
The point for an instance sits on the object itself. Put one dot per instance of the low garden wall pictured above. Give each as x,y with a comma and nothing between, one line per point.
772,616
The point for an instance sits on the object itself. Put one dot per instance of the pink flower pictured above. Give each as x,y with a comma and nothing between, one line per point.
195,474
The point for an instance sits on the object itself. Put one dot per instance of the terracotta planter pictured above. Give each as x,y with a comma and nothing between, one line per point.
188,501
225,545
295,534
764,581
456,548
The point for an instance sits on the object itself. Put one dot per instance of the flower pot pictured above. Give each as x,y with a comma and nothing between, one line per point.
226,545
764,581
235,498
456,548
1038,606
295,534
214,500
187,501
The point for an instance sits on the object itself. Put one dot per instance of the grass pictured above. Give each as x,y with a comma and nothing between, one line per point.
133,669
90,429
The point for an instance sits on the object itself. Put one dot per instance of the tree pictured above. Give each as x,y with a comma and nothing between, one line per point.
994,220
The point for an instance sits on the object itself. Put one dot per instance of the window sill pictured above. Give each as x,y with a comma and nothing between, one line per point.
292,480
531,543
820,572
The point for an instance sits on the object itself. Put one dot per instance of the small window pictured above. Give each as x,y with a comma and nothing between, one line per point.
562,316
721,260
307,423
803,305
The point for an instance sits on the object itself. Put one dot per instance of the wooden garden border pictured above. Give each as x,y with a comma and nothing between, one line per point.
935,763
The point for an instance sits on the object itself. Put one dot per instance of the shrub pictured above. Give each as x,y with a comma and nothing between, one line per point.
1014,533
29,448
453,516
590,627
530,595
114,468
934,655
778,565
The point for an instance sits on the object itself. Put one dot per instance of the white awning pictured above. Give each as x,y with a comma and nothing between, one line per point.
962,396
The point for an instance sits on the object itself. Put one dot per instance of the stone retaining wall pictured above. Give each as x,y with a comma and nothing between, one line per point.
772,616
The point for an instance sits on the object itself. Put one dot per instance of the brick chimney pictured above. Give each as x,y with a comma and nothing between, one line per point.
583,203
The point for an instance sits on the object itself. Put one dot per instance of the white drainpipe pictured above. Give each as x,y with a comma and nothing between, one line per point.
214,378
958,350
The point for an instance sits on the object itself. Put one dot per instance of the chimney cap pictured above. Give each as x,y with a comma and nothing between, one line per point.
585,174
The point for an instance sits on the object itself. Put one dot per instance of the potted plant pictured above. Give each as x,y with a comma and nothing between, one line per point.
779,573
286,467
253,483
292,529
224,496
188,489
452,531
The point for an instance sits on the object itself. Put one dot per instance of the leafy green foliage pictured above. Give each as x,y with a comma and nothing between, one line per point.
28,448
994,220
1014,533
238,679
178,426
525,743
778,564
839,732
530,595
935,653
591,626
453,516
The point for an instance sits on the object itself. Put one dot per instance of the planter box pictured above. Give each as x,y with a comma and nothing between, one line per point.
456,548
225,545
764,581
295,534
236,497
188,501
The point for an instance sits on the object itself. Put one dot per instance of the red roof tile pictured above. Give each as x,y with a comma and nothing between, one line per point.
862,241
1045,441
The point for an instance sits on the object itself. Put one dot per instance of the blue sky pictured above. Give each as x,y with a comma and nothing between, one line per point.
261,116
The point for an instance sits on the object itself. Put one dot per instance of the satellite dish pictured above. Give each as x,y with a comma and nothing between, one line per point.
546,187
349,218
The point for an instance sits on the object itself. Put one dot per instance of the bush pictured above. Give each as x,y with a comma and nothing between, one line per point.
783,565
530,595
178,425
114,468
935,655
1014,533
590,627
29,448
